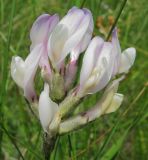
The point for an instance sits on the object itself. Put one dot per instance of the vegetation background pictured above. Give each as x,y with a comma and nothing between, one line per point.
122,135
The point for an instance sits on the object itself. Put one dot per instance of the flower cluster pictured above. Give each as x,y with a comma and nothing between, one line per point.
55,49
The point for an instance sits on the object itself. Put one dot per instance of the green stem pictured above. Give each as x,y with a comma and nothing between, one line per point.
117,18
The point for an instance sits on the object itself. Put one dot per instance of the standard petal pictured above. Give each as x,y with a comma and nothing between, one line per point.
89,59
47,108
68,34
31,65
127,60
18,70
42,28
74,40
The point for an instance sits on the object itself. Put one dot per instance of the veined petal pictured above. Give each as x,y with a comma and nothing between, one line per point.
47,108
18,70
89,59
31,65
127,60
42,28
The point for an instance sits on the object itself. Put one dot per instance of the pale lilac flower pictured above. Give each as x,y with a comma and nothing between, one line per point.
101,62
23,72
97,66
72,34
47,108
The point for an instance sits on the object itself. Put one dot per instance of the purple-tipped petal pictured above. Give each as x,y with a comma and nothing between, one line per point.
42,28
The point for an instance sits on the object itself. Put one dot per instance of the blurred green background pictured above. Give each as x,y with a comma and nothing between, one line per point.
122,135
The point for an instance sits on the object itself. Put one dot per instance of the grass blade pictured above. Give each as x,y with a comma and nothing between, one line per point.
13,142
116,20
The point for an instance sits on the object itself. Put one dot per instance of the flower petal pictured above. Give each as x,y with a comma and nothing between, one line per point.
47,108
85,40
89,59
31,65
56,43
115,103
68,34
70,74
18,70
105,66
77,37
72,20
44,61
116,50
127,60
42,28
